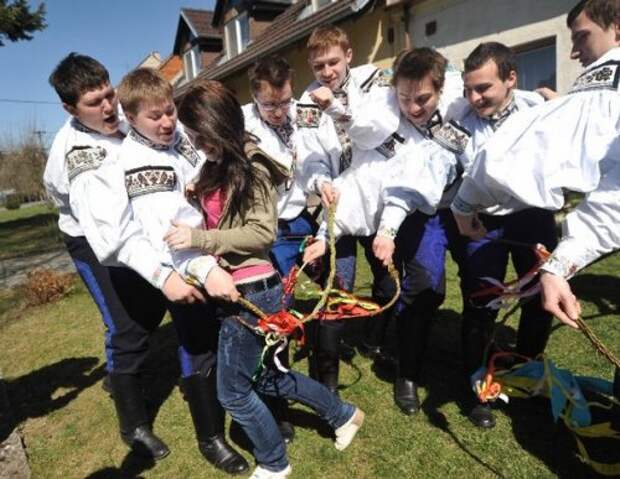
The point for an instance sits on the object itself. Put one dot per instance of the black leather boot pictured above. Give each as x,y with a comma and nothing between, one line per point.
133,419
476,335
406,396
482,416
374,334
208,418
328,355
412,326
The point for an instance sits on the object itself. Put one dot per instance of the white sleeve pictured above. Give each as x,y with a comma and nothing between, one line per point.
53,168
540,151
366,128
319,162
99,201
473,196
591,230
417,178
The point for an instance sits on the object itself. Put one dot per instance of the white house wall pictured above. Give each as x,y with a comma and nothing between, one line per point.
463,24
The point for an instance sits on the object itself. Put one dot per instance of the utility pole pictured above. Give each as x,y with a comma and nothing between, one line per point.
39,134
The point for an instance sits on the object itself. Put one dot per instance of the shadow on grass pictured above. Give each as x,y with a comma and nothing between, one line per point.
159,379
33,395
600,289
443,378
31,235
531,419
131,467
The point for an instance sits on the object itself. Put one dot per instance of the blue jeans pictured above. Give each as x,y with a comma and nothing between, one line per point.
239,354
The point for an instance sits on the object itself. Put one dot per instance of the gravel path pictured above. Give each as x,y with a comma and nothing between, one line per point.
13,270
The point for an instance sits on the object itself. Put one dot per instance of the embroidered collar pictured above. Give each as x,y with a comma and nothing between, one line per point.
143,140
430,126
343,89
498,118
79,126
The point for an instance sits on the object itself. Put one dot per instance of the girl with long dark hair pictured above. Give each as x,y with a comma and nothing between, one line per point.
237,193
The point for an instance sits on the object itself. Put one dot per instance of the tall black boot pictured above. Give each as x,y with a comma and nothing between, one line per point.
208,417
413,330
476,334
132,417
374,334
328,356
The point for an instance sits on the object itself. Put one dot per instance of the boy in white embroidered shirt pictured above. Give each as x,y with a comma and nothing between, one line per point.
155,164
131,308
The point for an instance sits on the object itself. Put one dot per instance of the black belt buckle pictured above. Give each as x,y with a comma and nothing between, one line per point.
259,285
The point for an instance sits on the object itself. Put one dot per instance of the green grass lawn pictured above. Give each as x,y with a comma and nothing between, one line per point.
52,359
28,230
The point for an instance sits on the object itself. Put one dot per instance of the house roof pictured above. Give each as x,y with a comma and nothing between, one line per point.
286,29
200,22
171,67
197,23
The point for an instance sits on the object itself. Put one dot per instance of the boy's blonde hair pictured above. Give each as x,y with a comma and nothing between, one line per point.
143,86
326,36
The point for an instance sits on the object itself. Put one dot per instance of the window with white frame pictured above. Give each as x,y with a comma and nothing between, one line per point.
192,62
237,34
536,63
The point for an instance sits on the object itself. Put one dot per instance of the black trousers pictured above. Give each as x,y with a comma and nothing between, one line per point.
130,307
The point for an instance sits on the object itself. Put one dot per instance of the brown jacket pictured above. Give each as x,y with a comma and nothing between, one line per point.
242,241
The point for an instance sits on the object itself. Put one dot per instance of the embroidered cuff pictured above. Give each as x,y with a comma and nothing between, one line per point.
560,266
391,219
199,268
462,207
160,276
387,233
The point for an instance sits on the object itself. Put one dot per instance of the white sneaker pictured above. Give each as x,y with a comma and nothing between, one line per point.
262,473
346,432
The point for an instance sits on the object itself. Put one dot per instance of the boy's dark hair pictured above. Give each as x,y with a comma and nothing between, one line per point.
602,12
273,69
75,75
504,58
416,63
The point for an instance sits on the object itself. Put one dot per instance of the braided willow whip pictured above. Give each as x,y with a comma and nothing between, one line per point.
597,343
331,212
331,215
251,307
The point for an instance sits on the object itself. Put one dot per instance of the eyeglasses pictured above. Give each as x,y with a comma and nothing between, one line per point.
271,107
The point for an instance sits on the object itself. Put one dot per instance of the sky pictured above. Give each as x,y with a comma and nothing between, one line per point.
118,33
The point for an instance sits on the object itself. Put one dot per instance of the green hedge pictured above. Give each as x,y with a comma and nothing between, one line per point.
13,202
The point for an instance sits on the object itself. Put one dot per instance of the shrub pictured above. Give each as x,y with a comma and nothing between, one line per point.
44,286
13,202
